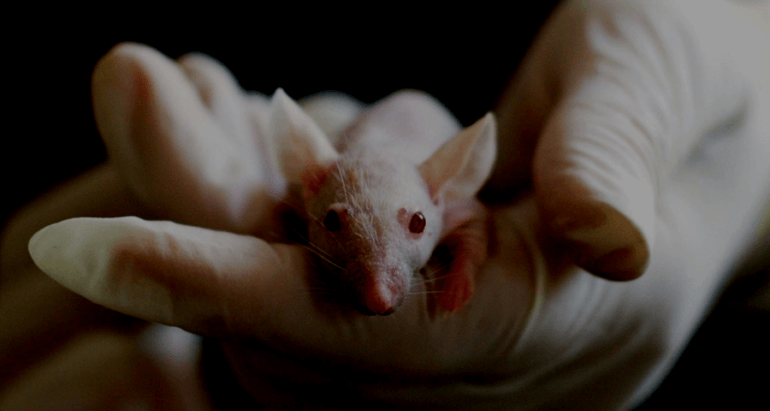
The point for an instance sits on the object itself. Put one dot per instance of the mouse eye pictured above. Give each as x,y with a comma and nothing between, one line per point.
417,223
332,221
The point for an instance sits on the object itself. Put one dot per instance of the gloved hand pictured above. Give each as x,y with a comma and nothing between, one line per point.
645,136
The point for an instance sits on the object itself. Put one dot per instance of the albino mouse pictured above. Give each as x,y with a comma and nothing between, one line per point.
378,204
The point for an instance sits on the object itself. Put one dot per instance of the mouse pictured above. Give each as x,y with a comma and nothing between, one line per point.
389,191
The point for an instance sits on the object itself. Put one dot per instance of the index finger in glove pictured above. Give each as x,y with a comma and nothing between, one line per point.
165,272
242,288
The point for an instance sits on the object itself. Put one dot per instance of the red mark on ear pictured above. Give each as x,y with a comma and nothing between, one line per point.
313,178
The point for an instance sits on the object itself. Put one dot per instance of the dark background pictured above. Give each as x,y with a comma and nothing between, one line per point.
464,59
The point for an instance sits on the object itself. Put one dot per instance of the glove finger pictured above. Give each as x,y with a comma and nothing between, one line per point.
223,98
658,81
180,275
100,192
332,111
168,145
229,285
526,103
243,117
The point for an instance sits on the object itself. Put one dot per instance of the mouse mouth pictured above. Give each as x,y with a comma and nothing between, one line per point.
364,308
366,311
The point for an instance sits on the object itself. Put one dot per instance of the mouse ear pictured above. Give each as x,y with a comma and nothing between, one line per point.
462,164
302,145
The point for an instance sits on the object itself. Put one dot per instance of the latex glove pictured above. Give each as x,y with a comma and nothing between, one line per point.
538,333
614,102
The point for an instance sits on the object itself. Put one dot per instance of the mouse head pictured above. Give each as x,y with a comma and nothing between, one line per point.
374,218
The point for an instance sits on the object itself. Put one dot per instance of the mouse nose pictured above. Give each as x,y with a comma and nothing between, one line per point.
380,299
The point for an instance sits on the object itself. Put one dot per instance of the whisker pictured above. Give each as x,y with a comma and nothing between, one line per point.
328,260
440,268
441,277
432,277
300,212
344,186
316,219
314,247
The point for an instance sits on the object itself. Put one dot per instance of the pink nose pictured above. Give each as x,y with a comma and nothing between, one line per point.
380,299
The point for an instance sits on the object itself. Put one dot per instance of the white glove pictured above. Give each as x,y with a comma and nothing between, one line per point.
640,124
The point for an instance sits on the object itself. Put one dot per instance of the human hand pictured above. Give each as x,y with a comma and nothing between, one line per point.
617,103
506,349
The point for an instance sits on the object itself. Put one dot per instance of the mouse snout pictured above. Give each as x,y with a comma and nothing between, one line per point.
380,299
381,292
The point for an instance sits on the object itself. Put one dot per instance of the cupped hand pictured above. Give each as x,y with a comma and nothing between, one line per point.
640,131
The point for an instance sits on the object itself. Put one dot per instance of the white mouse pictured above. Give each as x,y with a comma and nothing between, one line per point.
378,204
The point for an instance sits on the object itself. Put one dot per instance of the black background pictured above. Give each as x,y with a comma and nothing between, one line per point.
463,57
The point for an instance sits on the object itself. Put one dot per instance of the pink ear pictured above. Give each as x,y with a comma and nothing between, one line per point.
302,144
462,164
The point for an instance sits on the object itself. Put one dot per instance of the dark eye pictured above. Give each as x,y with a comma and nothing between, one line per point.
332,221
417,223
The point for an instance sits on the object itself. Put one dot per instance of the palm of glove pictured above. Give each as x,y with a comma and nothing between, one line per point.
627,156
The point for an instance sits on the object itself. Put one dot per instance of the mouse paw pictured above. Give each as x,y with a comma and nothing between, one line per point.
466,244
455,291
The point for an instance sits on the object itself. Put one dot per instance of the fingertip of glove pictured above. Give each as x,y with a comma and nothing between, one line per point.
130,48
53,249
601,240
34,246
622,264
